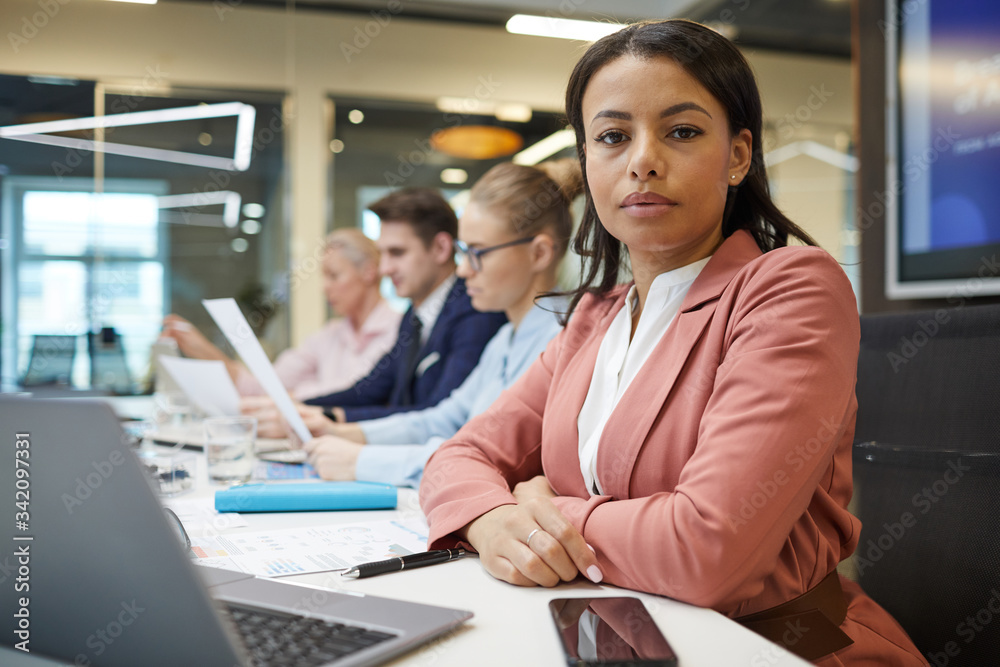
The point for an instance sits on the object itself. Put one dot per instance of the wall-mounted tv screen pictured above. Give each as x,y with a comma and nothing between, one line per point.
943,146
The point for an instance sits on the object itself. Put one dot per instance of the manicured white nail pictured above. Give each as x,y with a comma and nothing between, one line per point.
592,549
594,574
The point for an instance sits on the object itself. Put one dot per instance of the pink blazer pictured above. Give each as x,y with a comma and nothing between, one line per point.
727,462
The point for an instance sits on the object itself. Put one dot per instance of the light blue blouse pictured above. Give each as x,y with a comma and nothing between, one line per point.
392,458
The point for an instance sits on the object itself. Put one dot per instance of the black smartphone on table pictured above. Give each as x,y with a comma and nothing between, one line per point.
609,632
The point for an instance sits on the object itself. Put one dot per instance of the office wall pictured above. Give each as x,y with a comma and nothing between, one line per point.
312,55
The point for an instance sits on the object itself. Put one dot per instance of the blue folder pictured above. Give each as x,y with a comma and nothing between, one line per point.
306,497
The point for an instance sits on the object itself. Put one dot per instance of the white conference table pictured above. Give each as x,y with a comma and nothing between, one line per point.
511,625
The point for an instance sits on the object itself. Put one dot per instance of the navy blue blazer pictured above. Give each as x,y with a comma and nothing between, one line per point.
451,352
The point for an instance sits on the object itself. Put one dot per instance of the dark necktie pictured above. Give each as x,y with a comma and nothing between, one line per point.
412,357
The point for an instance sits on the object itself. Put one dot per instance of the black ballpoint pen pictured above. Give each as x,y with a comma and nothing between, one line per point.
403,563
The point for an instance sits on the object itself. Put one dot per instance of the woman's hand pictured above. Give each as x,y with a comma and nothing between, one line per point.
270,423
190,341
314,419
531,543
334,458
350,431
536,487
319,424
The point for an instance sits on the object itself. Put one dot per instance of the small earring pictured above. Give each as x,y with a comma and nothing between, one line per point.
733,176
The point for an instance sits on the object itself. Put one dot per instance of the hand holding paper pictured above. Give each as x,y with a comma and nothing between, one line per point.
237,330
271,423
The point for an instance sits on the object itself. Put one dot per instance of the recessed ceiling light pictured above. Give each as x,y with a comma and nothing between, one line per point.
550,145
513,112
454,176
253,210
465,105
547,26
336,146
239,245
250,226
356,116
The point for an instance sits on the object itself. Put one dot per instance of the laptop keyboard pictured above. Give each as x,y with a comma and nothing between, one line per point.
274,639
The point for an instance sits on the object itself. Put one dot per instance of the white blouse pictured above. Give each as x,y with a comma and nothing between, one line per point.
621,356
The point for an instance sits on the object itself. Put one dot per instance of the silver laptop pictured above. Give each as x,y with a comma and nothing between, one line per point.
93,573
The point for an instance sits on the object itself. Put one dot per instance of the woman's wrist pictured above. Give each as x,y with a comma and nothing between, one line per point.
351,431
473,531
466,532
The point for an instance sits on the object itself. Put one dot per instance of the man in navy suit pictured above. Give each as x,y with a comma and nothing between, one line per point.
441,336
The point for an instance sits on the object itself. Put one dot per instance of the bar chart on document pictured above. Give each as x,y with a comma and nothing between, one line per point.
277,553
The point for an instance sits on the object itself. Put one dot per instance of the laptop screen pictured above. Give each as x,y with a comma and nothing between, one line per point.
93,572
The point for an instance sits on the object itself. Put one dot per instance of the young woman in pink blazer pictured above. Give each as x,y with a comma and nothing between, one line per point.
688,434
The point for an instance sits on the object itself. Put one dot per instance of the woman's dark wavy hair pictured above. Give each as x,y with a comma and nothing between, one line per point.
720,67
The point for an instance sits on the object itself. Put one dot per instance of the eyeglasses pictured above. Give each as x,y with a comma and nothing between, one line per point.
475,255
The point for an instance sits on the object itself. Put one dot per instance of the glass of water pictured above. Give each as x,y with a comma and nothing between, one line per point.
172,411
229,445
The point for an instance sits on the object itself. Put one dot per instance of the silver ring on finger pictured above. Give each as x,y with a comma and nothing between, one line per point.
527,542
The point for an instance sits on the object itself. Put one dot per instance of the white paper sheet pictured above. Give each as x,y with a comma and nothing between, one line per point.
207,384
279,553
200,518
237,330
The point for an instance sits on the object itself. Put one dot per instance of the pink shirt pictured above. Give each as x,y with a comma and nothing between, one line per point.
333,358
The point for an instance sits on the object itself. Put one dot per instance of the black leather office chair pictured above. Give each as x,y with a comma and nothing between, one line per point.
51,361
927,478
108,369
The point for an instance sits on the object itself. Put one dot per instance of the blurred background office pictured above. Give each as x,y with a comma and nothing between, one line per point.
245,130
154,155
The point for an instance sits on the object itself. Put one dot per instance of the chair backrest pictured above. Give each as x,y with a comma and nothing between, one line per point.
51,360
930,546
927,478
930,378
108,369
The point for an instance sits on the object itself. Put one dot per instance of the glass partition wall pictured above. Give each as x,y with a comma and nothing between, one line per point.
100,244
182,201
380,145
188,201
